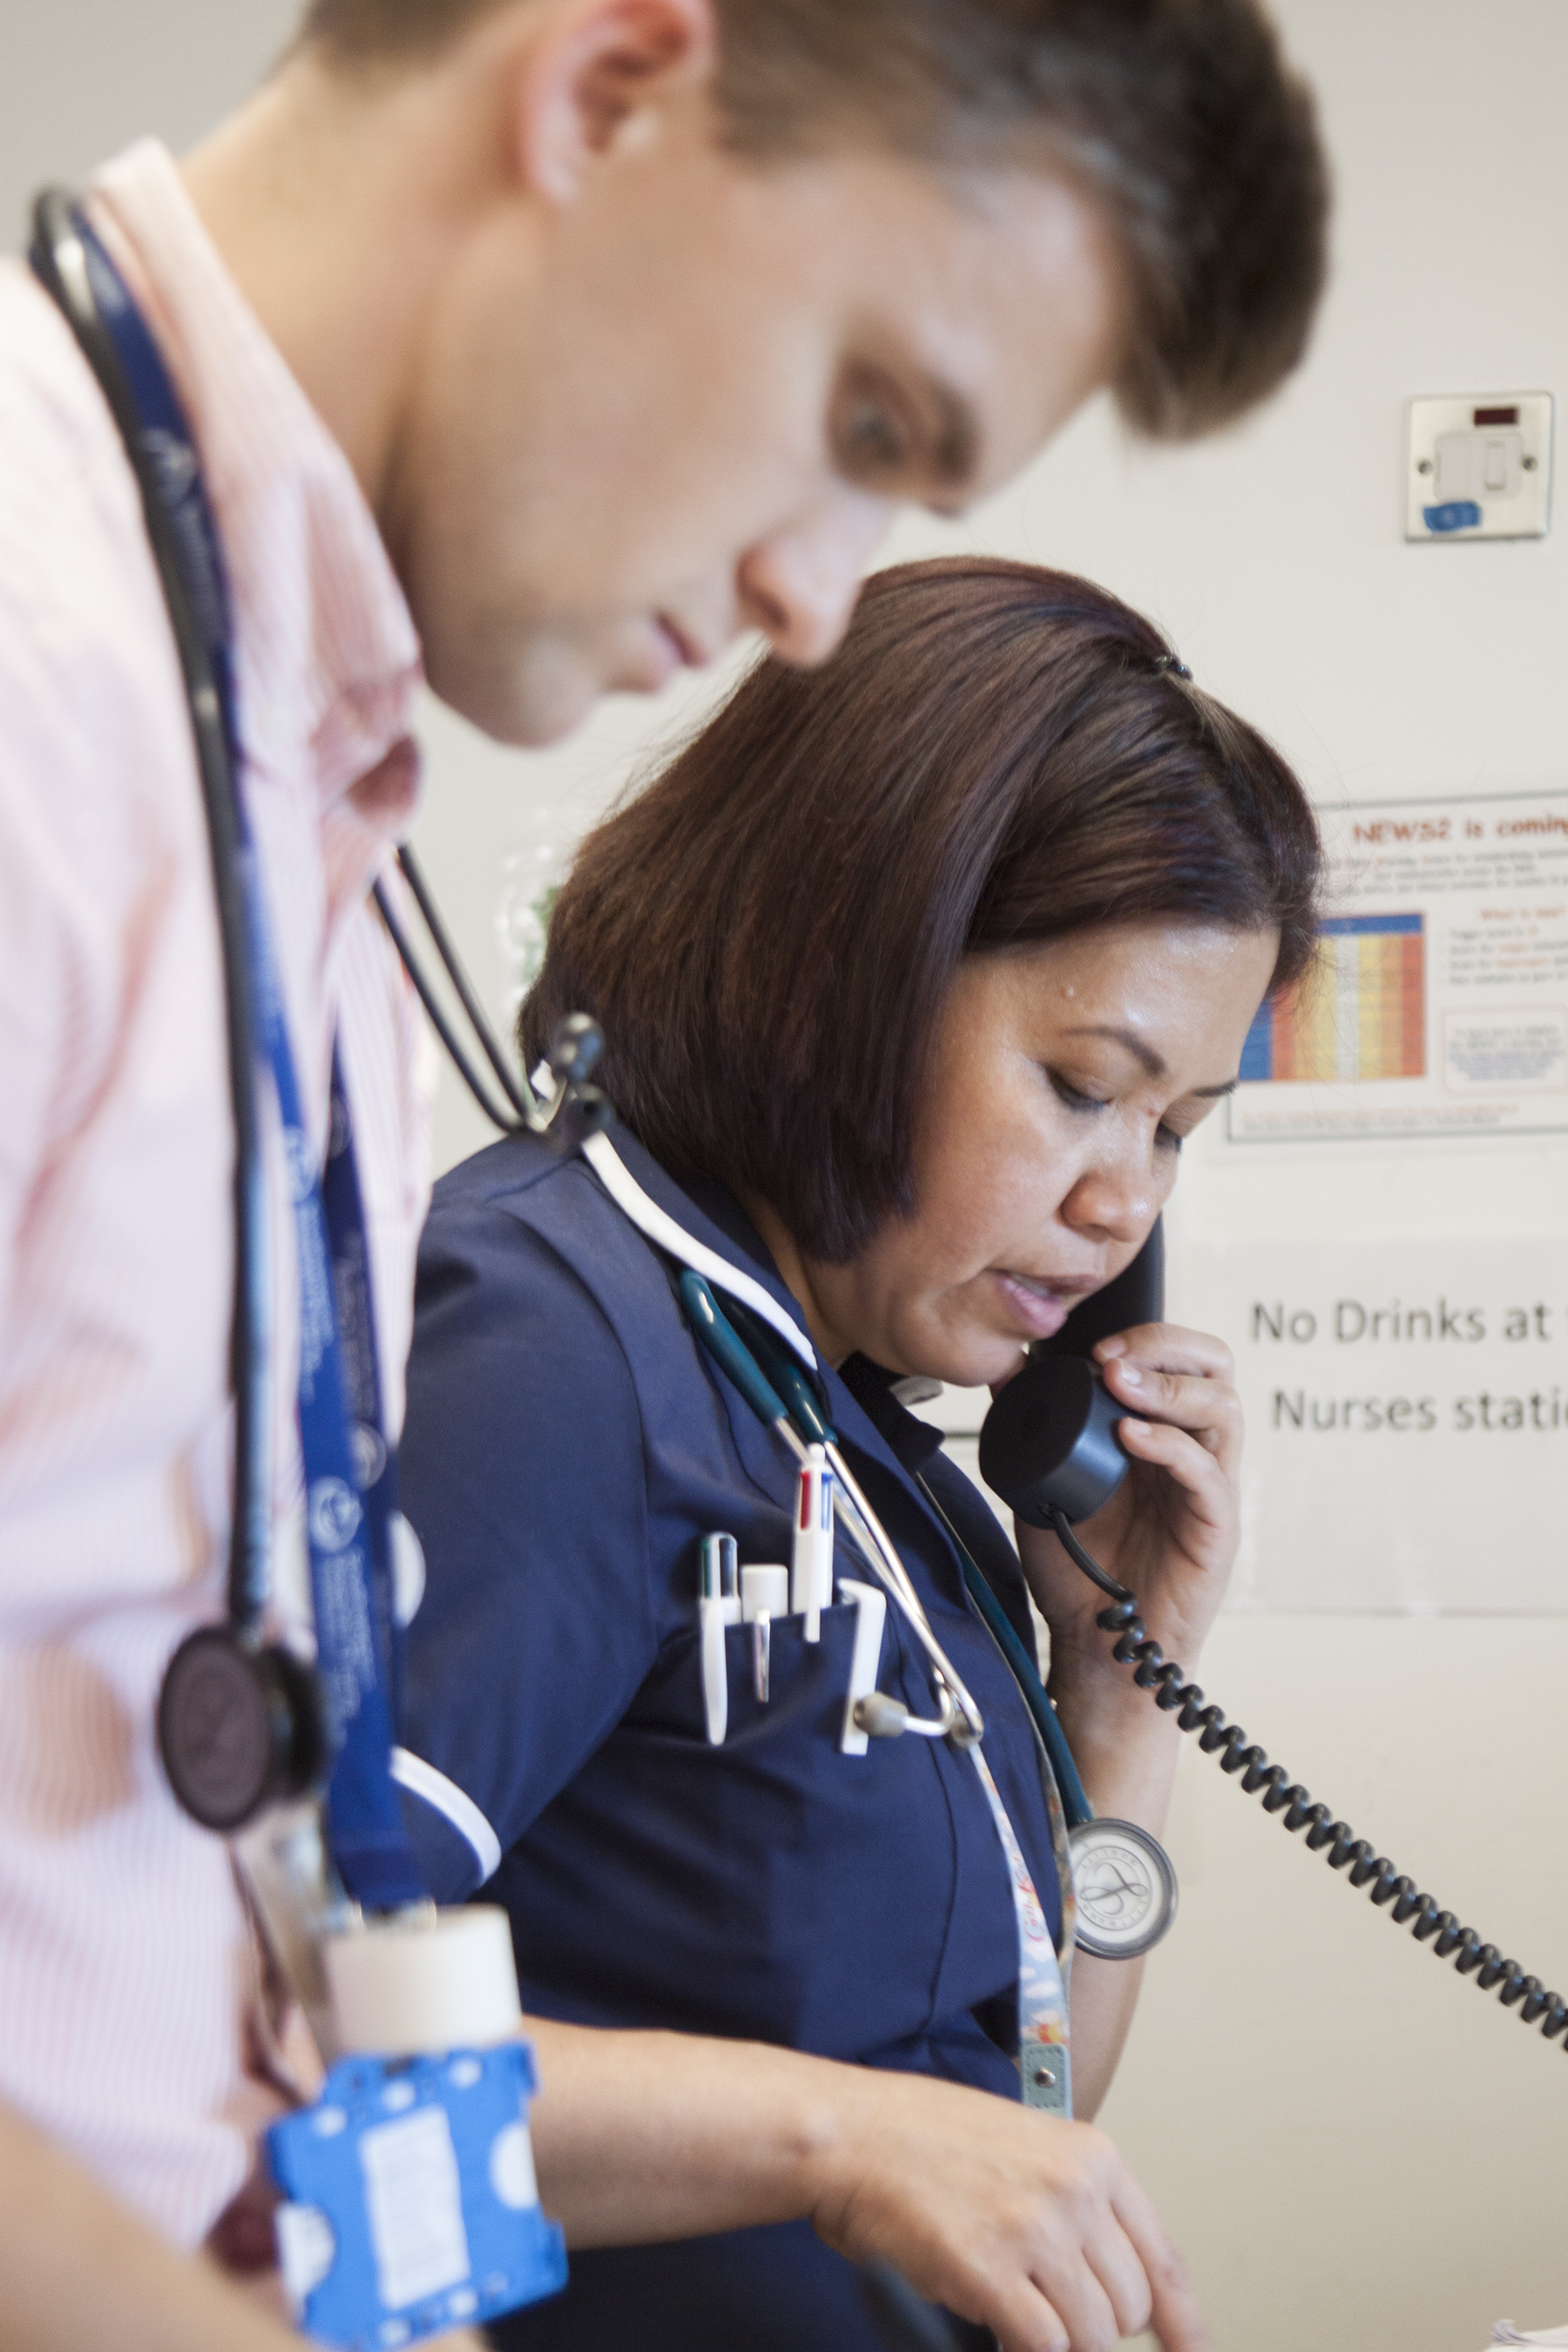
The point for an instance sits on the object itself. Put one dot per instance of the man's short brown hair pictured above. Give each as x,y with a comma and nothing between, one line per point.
996,756
1179,117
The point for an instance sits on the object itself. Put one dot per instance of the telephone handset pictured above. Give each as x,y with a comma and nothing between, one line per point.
1049,1441
1048,1448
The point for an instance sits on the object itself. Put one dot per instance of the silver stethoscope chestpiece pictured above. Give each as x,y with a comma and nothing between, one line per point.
1126,1889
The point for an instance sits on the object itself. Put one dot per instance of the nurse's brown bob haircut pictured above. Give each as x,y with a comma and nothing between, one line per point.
996,756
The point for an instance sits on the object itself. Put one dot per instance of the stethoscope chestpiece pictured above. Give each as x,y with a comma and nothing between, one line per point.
1126,1888
240,1728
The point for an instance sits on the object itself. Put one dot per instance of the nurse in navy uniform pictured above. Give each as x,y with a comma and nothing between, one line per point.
914,970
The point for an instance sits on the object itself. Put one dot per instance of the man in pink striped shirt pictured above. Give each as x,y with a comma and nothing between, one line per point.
536,346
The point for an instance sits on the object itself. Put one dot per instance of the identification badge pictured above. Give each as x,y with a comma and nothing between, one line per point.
412,2203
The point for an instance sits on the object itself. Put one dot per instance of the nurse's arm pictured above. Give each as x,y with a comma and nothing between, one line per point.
1016,2221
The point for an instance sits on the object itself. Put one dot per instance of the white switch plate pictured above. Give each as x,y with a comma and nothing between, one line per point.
1478,466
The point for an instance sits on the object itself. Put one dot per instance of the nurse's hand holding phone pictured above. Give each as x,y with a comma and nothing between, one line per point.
1170,1531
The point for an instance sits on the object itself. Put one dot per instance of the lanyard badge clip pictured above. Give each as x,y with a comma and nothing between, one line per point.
411,2201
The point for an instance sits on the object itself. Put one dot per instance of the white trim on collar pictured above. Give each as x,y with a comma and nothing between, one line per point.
660,1226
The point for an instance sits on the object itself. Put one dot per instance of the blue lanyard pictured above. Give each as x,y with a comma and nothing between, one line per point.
351,1475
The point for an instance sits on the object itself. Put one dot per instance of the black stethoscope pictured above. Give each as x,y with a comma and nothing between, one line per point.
254,1735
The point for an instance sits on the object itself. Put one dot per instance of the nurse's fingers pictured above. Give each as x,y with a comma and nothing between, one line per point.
1172,1347
1206,1409
1175,2317
1203,1476
1025,2318
1082,2284
1206,1404
1025,2224
1113,2258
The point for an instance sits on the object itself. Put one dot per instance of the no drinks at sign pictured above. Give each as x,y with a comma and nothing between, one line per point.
1406,1448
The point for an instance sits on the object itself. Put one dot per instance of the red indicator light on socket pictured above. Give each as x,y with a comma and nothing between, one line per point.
1495,416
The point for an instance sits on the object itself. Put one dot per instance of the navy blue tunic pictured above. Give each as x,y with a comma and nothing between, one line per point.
568,1444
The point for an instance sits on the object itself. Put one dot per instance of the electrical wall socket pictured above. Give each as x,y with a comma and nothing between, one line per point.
1478,466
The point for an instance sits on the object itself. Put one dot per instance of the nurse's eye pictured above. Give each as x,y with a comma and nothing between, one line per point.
1074,1097
1168,1139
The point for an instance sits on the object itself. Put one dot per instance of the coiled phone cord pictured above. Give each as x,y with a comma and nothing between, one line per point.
1153,1672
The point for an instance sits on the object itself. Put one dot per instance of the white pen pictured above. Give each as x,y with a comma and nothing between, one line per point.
725,1577
715,1611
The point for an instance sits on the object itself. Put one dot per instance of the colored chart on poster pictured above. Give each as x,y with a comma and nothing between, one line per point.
1435,1008
1359,1014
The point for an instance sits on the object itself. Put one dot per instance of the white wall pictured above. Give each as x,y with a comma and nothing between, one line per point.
80,79
1354,2147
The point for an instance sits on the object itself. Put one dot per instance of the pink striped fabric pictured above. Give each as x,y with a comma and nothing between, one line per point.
124,1968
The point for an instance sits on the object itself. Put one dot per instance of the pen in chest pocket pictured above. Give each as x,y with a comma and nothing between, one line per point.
765,1596
717,1607
812,1557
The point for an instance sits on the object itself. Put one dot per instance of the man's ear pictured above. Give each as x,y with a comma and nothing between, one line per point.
593,69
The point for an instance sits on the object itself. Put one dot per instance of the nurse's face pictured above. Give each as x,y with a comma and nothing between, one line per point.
1066,1078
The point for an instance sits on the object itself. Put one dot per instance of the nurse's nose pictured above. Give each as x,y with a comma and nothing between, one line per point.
1114,1204
799,584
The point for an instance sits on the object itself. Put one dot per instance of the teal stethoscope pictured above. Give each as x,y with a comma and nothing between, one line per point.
767,1357
769,1367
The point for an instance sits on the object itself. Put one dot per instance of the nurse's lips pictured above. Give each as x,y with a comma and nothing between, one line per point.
1040,1308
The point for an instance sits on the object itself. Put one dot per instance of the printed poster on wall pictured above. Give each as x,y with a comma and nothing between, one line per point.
1438,1005
1401,1341
1406,1421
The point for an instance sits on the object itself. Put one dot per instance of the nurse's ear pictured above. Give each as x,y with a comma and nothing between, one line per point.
597,78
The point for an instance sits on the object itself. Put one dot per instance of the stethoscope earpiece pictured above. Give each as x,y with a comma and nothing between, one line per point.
575,1049
240,1728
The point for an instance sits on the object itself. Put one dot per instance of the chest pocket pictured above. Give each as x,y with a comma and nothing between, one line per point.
799,1889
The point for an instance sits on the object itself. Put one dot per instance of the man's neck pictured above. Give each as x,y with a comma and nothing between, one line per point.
337,206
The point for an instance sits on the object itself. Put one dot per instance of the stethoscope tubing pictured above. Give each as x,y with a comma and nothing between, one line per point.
960,1719
58,257
968,1725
